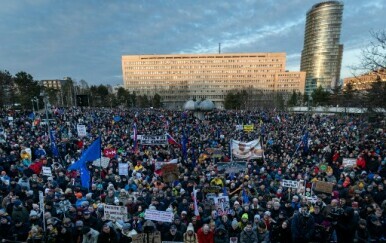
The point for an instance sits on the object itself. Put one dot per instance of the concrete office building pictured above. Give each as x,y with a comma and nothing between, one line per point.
322,53
178,78
364,81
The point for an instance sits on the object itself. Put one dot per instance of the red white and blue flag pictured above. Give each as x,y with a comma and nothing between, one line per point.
171,140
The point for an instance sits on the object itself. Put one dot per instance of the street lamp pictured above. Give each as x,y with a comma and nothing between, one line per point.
33,105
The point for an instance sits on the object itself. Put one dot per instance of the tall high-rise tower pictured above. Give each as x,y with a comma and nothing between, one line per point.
322,52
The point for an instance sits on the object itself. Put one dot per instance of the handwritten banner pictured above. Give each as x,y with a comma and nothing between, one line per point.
112,212
157,215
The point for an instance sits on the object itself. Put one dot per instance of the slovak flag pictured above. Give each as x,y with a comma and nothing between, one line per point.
171,140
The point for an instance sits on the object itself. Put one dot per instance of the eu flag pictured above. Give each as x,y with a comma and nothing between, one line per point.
92,153
85,176
54,148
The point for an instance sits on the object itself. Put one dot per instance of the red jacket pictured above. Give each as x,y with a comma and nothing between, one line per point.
203,238
361,162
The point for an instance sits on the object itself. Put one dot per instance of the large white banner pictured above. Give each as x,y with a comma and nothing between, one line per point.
157,215
112,212
82,132
247,150
153,140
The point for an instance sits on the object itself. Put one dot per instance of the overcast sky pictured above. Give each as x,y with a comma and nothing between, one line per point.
52,39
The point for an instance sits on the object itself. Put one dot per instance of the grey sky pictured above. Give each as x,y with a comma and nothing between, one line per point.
85,39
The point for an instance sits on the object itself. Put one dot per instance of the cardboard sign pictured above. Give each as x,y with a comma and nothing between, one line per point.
170,172
212,189
123,169
103,162
291,184
157,215
82,132
112,212
153,237
46,171
349,162
321,186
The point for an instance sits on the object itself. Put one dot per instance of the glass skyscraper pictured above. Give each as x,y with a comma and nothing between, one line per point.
322,52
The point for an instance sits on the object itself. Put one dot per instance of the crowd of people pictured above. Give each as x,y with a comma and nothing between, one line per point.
261,208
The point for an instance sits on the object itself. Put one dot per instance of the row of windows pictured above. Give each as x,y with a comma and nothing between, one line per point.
205,61
161,68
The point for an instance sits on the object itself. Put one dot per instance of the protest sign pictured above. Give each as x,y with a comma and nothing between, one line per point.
349,162
231,167
233,240
222,205
110,152
102,162
153,237
123,169
153,140
112,212
239,127
170,172
247,150
211,189
248,128
157,215
82,132
289,183
322,186
46,171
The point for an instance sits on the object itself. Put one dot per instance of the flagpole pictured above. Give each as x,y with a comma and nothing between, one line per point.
230,148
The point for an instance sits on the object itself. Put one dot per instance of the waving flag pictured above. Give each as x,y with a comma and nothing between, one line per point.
305,142
117,118
184,143
245,197
85,176
54,148
159,165
135,131
92,153
196,212
171,140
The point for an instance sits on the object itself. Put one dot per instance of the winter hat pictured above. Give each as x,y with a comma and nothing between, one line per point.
257,217
190,227
245,216
234,223
79,223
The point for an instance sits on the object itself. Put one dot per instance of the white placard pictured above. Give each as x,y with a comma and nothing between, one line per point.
161,216
349,162
10,118
112,212
82,132
104,162
123,169
46,171
291,184
239,127
153,140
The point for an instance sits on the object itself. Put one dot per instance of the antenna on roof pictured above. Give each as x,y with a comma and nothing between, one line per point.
219,48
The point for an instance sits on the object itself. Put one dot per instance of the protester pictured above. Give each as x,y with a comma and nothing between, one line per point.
182,175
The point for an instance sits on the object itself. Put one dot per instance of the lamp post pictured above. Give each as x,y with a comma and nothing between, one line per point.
33,106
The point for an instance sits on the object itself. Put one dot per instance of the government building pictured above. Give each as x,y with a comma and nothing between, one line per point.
181,77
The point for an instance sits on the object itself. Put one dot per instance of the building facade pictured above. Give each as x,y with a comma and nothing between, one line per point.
56,84
322,53
178,78
364,81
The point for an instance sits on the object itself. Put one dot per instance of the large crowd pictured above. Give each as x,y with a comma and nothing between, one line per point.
261,208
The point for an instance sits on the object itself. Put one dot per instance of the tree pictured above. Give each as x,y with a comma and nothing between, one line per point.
336,95
27,88
68,92
320,96
373,57
157,101
375,96
232,101
7,89
294,99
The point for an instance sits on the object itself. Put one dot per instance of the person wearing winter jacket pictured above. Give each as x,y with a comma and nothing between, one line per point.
221,235
204,235
302,226
89,235
248,235
189,235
